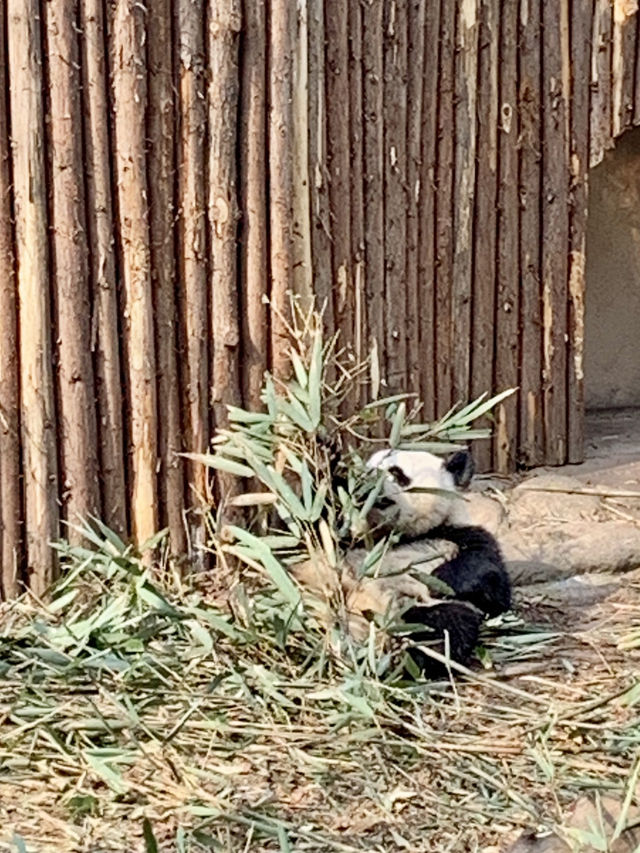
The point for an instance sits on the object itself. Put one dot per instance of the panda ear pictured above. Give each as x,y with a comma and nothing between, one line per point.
461,467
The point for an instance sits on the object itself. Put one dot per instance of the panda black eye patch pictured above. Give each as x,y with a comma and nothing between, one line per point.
400,477
383,503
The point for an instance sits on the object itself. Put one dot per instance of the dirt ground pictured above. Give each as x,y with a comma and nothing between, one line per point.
571,537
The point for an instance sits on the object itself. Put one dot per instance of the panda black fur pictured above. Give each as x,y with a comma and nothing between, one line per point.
418,504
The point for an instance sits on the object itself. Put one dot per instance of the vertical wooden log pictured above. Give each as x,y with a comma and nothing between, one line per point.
191,244
224,28
130,98
580,62
76,403
427,211
280,125
161,125
415,80
10,497
301,231
507,329
356,183
636,73
531,444
337,93
444,210
484,291
600,109
253,194
466,87
105,340
320,213
38,422
395,199
555,227
622,65
374,180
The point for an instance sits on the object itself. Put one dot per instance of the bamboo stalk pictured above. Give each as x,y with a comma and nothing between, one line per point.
38,422
224,28
10,497
130,97
253,244
280,128
105,340
161,126
192,272
76,402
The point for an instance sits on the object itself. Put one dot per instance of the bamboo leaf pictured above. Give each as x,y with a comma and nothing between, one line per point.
220,463
263,554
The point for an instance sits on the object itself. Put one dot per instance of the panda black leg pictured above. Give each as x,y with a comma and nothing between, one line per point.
480,582
459,621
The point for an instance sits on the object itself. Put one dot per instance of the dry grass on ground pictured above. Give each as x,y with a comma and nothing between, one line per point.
145,721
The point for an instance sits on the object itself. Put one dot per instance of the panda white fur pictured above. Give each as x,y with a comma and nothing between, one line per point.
420,503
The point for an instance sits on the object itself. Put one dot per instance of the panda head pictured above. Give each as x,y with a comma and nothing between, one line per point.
419,490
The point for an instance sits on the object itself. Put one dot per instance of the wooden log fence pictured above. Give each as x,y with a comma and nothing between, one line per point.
167,169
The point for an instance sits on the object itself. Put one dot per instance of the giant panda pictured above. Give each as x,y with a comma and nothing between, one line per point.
421,508
421,502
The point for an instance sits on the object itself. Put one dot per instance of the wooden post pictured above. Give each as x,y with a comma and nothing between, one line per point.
301,231
555,226
466,87
427,211
105,337
280,93
507,325
38,422
356,190
10,496
337,92
162,125
600,136
415,82
580,61
531,441
192,271
484,270
253,194
76,405
395,199
444,210
224,28
374,176
319,171
130,98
